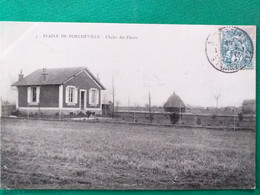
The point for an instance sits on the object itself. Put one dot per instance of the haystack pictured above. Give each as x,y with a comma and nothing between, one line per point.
174,104
248,107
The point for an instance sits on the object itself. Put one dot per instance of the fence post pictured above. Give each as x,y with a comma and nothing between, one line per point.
180,116
234,119
60,114
28,112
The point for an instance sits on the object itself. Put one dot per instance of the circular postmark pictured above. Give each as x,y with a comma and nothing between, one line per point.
229,50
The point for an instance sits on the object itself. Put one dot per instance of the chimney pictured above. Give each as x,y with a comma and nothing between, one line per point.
20,76
44,74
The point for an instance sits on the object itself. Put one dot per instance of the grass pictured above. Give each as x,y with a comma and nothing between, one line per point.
80,155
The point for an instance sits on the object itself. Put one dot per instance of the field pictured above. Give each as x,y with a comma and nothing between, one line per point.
83,155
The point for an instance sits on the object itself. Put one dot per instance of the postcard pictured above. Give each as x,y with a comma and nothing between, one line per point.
127,106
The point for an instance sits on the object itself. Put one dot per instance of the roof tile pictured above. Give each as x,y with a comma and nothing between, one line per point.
55,76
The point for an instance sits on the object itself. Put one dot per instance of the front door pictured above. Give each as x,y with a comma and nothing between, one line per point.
82,100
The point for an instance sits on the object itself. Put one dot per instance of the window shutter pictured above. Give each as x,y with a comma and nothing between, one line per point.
75,94
67,95
38,94
89,96
29,95
97,97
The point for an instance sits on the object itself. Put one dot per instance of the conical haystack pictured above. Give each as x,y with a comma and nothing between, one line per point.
174,104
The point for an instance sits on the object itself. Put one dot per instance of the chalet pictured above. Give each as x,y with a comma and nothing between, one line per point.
59,90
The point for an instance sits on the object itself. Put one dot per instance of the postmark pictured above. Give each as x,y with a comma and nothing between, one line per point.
230,49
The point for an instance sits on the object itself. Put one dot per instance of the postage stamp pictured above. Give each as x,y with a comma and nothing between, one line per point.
230,49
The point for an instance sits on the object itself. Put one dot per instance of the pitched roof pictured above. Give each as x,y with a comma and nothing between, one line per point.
56,76
248,102
174,101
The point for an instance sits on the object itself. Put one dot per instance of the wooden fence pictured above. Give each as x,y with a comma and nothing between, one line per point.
7,110
186,119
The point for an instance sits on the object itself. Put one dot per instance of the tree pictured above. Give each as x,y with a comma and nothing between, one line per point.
150,107
149,103
128,103
117,105
217,96
104,100
113,94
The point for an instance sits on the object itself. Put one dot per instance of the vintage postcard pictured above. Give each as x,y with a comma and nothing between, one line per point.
127,106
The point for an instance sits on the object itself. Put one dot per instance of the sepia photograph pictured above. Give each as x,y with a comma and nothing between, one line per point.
127,106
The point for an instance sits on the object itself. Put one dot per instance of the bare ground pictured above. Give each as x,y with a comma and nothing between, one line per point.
81,155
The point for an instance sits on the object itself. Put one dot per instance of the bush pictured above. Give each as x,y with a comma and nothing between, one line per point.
81,114
240,116
214,116
174,117
151,117
198,120
16,113
88,113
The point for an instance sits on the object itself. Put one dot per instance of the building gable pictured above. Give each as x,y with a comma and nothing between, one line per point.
82,80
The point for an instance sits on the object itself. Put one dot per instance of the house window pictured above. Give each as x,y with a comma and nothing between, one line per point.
71,95
93,97
33,95
71,89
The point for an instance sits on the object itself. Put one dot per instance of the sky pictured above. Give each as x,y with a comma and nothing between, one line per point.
142,58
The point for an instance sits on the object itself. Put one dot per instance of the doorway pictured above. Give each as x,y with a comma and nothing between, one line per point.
82,99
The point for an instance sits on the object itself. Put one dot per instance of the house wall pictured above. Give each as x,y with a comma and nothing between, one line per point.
22,97
49,96
81,81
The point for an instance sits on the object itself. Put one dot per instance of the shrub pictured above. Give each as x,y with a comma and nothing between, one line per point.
198,120
88,113
149,117
174,117
16,113
240,116
81,114
214,116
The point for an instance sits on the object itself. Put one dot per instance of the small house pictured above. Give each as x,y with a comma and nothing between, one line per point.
174,104
59,90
